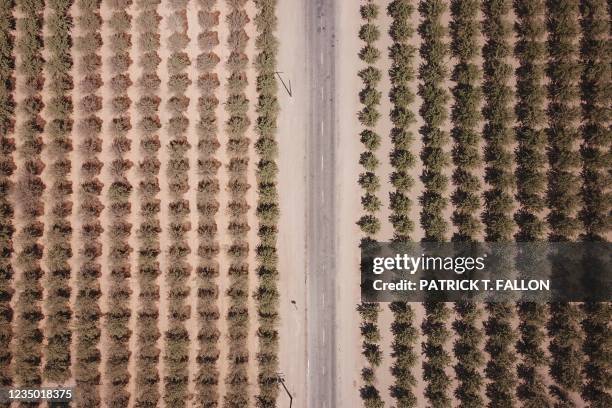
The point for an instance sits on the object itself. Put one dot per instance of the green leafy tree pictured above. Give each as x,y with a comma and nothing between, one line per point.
563,195
596,137
465,115
531,189
369,223
432,75
401,74
498,200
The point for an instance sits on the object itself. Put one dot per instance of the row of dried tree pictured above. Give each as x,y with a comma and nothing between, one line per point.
236,106
267,211
147,333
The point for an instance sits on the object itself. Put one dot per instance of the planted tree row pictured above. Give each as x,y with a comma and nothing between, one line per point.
596,136
433,110
176,357
237,380
59,132
119,208
530,179
207,377
7,169
402,74
563,194
498,199
369,181
267,211
596,93
465,115
147,331
87,309
29,195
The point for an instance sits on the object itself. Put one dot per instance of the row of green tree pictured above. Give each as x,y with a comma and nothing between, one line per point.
401,95
530,177
369,223
596,93
465,115
563,192
434,111
572,74
498,197
531,185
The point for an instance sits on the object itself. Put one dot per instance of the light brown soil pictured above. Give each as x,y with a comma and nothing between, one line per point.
349,360
47,178
192,237
135,73
106,178
291,186
18,218
75,219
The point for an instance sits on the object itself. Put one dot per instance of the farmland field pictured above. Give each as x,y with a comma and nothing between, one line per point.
473,120
185,186
139,202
